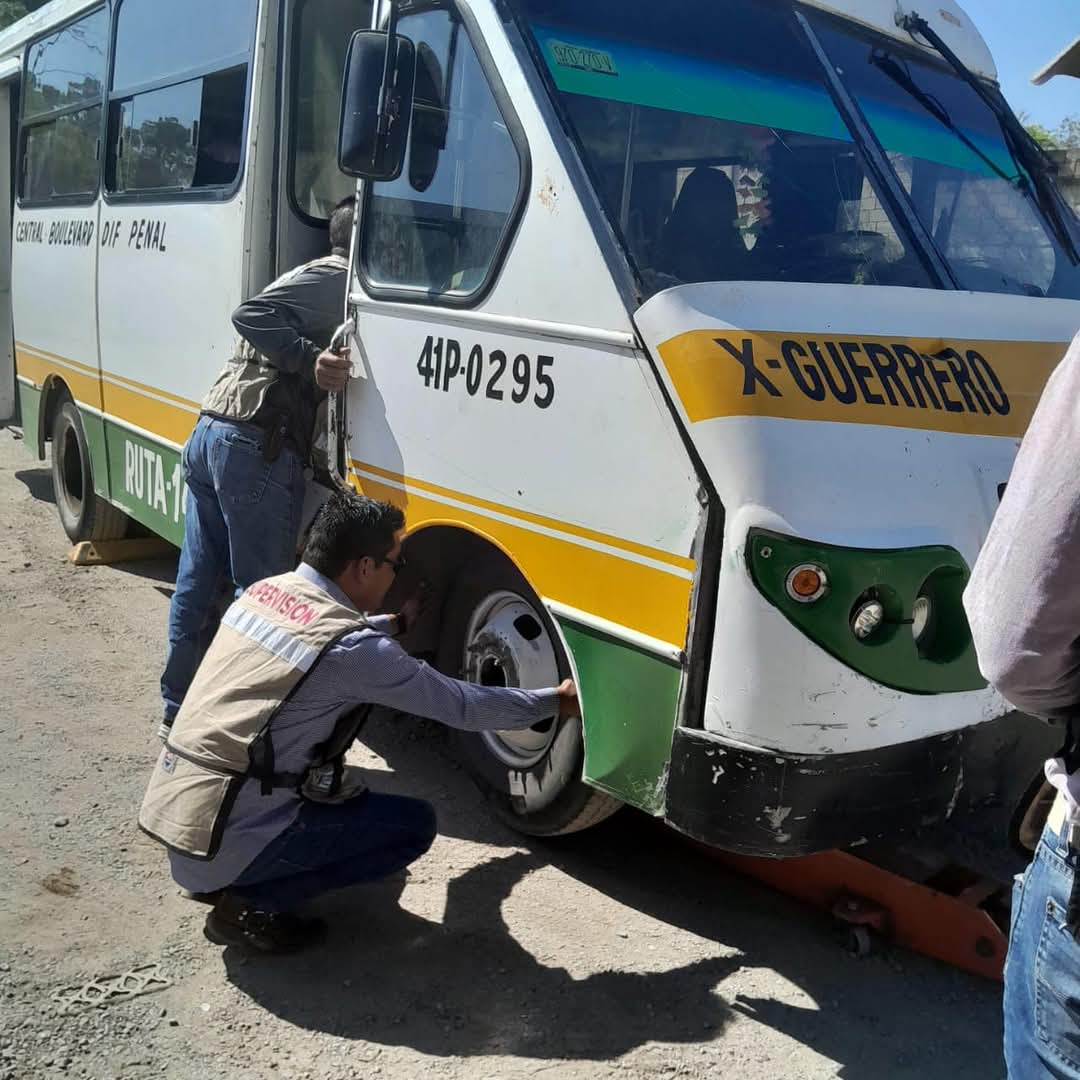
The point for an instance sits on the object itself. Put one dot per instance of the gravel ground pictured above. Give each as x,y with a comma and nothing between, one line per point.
621,952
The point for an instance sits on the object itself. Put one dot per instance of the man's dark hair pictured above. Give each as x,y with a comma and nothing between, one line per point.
341,222
348,527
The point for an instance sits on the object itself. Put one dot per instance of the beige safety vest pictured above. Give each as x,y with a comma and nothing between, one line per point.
269,641
240,388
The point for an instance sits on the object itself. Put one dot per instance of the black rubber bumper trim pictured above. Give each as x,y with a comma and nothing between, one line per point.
761,802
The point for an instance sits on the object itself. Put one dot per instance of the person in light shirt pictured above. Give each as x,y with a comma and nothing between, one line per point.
1023,604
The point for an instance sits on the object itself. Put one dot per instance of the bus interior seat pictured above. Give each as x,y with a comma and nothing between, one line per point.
701,239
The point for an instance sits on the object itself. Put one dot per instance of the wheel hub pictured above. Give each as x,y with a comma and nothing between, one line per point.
508,644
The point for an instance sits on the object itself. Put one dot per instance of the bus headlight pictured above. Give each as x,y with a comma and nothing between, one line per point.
867,618
920,617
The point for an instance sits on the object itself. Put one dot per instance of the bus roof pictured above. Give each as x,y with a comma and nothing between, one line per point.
54,13
947,17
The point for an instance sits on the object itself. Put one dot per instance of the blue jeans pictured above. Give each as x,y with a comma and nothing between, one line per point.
333,846
1042,970
241,522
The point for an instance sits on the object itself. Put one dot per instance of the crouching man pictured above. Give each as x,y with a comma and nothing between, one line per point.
250,794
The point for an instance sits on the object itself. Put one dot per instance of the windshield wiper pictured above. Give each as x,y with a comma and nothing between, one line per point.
1027,153
903,79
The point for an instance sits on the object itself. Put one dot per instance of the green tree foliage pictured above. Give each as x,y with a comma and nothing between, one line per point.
1066,136
1067,133
1041,135
13,10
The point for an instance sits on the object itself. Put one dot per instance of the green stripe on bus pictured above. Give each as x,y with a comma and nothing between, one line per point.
145,480
30,412
631,698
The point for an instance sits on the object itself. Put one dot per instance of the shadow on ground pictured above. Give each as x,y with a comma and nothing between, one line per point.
38,482
466,987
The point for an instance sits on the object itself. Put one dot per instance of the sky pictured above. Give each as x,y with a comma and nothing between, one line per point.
1024,35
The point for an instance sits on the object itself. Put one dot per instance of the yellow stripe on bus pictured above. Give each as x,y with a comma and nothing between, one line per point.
642,598
125,399
84,384
963,387
650,600
658,554
157,417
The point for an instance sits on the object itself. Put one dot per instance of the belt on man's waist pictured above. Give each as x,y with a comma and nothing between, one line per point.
1056,821
1059,814
272,427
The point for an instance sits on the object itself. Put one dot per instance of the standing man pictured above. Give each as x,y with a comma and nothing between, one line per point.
244,462
251,794
1023,603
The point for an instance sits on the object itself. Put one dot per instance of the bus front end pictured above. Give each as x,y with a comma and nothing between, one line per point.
858,446
853,279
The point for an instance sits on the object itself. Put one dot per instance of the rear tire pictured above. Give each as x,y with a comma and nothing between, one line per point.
83,514
496,633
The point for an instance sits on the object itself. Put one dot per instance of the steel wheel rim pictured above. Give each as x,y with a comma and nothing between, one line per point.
507,643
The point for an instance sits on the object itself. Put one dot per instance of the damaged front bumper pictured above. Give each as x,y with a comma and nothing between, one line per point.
960,789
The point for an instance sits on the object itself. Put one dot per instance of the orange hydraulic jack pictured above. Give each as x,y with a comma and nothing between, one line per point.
945,917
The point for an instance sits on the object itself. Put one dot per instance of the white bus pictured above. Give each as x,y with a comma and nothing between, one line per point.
695,339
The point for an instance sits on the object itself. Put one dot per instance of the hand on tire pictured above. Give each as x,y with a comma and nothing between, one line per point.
568,700
417,604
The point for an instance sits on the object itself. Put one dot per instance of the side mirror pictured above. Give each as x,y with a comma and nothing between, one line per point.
371,140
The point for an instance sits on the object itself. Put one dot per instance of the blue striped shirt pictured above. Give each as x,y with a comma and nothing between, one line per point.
365,667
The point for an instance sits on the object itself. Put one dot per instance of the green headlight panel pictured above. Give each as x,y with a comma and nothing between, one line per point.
944,659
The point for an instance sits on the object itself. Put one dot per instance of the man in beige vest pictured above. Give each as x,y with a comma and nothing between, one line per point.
250,793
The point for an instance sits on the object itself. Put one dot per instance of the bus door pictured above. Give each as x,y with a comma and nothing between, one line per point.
173,246
56,227
316,35
9,94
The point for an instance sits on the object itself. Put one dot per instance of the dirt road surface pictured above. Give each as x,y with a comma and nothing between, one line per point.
616,953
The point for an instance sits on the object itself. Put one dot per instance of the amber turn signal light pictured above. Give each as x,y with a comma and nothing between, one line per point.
806,583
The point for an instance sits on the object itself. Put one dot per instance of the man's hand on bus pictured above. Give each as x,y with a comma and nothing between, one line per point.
332,370
568,700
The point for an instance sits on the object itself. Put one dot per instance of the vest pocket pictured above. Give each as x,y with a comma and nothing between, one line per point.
187,805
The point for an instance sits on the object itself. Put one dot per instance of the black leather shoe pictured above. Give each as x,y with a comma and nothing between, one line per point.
234,923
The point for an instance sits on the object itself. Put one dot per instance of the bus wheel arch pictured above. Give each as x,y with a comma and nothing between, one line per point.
490,627
54,392
84,515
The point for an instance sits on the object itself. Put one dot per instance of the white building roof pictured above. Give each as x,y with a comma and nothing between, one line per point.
1067,62
16,36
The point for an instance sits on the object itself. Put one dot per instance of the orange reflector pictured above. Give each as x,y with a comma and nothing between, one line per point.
806,583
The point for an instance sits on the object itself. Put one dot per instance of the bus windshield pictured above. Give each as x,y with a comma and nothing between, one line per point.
715,146
950,153
718,153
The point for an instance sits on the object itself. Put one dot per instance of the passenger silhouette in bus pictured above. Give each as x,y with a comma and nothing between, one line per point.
701,240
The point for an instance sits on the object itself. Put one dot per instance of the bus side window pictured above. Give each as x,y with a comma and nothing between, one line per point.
438,228
185,129
61,121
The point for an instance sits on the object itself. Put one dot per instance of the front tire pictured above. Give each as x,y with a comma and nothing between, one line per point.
495,633
83,514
